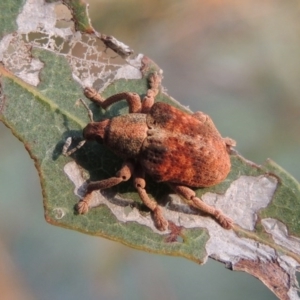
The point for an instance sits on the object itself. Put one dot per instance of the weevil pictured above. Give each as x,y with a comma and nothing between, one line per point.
184,150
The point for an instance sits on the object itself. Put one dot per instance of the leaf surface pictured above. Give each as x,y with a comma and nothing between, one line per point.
43,71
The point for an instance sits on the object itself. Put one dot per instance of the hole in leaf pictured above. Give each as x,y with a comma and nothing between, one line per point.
298,279
128,209
179,239
59,213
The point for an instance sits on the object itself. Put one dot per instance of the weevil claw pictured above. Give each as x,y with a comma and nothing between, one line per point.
224,221
160,221
82,207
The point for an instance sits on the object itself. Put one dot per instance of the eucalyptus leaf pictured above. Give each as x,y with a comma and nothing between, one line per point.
44,68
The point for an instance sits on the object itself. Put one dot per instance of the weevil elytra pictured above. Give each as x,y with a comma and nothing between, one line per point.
183,150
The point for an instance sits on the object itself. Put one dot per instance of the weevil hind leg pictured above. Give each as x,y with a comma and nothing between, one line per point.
123,174
154,82
196,202
160,222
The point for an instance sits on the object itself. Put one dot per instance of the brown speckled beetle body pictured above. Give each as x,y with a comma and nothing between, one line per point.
184,150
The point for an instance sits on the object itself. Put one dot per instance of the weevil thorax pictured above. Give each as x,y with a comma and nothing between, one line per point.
126,134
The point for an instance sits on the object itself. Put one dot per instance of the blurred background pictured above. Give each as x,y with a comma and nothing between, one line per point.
237,61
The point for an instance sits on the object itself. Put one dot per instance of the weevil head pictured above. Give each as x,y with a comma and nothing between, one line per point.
96,130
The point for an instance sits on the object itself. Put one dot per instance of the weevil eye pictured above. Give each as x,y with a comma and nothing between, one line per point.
95,131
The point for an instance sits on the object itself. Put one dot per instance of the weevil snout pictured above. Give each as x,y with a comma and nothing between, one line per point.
96,130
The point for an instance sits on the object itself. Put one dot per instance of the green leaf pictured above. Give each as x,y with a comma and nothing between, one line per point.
39,103
9,12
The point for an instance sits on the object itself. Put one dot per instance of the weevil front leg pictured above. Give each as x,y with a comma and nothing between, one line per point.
123,174
190,195
160,222
133,99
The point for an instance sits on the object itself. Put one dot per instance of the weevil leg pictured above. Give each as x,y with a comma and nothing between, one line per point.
206,119
123,174
159,220
200,116
154,81
229,143
133,99
190,195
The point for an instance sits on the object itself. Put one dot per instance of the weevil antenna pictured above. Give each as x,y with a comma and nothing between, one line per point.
90,113
67,144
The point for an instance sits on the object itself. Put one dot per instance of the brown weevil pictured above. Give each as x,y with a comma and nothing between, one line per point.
183,150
